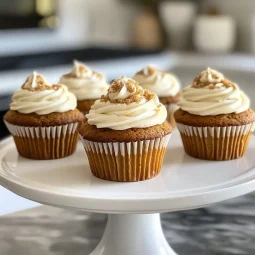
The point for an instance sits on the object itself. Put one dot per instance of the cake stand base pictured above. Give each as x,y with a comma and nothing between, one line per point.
133,234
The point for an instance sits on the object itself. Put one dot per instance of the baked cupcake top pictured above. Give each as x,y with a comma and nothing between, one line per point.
38,96
212,94
84,83
125,106
160,83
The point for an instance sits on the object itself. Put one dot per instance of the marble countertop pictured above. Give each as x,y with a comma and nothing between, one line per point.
224,229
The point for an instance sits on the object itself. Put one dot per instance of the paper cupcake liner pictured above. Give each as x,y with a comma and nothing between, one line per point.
45,142
171,108
127,161
216,143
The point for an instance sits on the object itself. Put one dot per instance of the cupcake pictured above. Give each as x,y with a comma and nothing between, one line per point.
214,119
85,84
165,85
43,119
126,134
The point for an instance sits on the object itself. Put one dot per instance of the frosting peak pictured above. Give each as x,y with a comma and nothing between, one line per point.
36,82
212,76
38,96
160,83
127,105
126,91
148,70
84,83
211,79
80,70
122,88
212,94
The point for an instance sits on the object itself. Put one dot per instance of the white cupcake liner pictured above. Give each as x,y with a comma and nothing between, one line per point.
216,143
125,148
45,142
126,161
42,132
216,131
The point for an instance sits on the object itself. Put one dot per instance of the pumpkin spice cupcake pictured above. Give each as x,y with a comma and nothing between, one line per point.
165,85
126,134
43,119
86,85
214,119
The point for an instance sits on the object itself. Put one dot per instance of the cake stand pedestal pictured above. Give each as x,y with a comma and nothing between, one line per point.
135,234
133,226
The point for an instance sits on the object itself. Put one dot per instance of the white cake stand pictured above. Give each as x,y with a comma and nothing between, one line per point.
134,223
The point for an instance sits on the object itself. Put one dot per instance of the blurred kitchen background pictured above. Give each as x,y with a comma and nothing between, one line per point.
119,37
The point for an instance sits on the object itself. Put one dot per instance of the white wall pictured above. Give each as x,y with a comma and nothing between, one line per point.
83,22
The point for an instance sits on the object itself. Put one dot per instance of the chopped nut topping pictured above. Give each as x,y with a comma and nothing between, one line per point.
80,71
44,87
134,94
149,70
212,80
37,82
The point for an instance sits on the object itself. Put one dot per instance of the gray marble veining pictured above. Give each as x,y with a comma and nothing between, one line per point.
224,229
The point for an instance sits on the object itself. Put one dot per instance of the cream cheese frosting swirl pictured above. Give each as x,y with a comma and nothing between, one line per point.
162,84
38,96
127,105
84,83
212,94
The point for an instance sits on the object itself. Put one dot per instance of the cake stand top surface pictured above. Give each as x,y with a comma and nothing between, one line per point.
184,182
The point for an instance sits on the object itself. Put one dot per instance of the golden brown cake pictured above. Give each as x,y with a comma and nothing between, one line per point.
214,119
221,120
43,119
107,135
85,84
126,135
165,85
51,119
85,105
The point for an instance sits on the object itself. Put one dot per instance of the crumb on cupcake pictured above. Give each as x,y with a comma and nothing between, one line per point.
37,82
136,93
81,71
150,70
212,79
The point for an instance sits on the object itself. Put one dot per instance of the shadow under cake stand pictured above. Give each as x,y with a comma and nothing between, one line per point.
133,226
